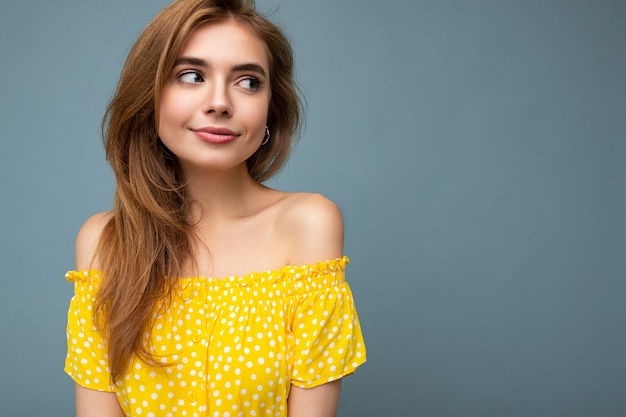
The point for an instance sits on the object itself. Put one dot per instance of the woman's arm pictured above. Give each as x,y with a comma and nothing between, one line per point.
316,229
87,241
91,403
314,226
321,401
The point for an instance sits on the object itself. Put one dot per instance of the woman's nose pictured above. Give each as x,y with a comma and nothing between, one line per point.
218,100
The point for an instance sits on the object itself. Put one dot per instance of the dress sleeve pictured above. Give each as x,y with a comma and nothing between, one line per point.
328,339
86,360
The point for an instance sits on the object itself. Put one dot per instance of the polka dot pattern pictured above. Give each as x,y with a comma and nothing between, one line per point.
233,346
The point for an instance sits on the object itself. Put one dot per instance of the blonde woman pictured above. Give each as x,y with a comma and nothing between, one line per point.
204,292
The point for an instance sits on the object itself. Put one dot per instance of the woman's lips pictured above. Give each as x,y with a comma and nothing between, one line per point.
216,134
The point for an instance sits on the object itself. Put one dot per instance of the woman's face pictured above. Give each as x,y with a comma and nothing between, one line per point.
214,106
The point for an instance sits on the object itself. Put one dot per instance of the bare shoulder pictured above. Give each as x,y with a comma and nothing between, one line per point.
87,240
313,225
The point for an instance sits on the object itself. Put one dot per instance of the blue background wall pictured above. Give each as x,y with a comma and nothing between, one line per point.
477,151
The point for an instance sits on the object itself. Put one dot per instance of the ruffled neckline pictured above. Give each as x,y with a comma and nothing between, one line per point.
295,271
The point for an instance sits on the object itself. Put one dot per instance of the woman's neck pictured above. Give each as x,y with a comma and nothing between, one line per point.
222,196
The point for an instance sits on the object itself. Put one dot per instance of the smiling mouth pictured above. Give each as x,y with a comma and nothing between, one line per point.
216,135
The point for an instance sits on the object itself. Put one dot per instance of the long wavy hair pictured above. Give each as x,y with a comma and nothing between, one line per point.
147,241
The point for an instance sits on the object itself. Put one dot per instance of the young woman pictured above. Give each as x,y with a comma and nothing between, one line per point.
167,318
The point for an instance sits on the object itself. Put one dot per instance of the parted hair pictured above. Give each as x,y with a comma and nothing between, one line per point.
146,242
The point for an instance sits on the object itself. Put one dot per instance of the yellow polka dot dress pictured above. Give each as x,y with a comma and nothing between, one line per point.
233,346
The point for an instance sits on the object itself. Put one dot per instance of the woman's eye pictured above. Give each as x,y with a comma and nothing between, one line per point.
190,77
250,83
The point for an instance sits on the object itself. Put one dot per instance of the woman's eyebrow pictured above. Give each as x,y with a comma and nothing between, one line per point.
250,67
199,62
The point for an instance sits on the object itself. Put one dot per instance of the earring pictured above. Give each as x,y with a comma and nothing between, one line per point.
266,137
